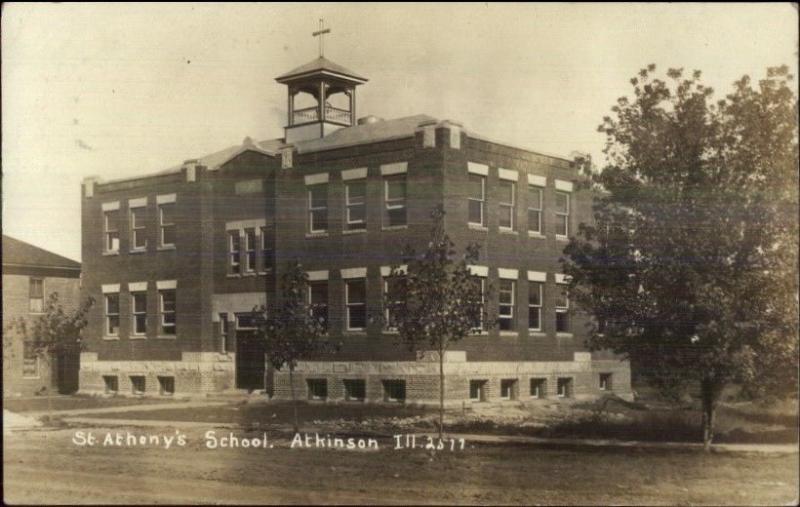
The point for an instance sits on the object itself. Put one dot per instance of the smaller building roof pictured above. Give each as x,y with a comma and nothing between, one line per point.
20,253
319,66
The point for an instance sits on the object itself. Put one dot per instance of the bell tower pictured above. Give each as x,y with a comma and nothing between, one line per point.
329,93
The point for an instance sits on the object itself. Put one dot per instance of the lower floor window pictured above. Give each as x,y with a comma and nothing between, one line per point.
166,385
605,381
394,390
564,387
30,360
477,390
508,388
137,384
111,383
538,388
354,389
317,389
562,311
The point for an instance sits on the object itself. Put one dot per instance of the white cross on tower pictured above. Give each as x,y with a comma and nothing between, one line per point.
319,33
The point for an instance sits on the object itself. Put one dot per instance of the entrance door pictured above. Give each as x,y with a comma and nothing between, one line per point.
249,361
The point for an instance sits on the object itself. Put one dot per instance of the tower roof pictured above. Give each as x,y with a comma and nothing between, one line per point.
321,66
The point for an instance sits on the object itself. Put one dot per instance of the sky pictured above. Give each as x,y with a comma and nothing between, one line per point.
118,90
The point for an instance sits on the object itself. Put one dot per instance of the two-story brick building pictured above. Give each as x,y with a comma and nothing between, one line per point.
179,259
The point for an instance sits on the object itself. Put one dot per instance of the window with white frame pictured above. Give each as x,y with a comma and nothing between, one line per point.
138,216
477,199
36,295
245,321
562,310
224,330
535,306
111,230
138,384
356,204
507,204
395,200
480,324
507,299
167,299
234,253
267,258
562,214
166,224
356,302
112,314
318,302
139,312
534,209
392,288
318,208
249,250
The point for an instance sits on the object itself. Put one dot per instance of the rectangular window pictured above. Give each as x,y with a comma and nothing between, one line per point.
111,230
356,205
317,388
111,384
507,301
356,301
318,302
36,295
112,314
534,210
245,321
534,306
139,310
224,329
477,390
250,250
267,259
354,389
394,390
318,208
138,228
30,360
167,298
564,387
395,200
538,388
479,323
234,253
392,287
507,204
562,311
477,199
605,381
508,388
166,224
562,214
137,384
166,386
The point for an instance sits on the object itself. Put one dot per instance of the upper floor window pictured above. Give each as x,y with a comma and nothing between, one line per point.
507,204
356,303
534,209
395,200
138,227
167,299
250,250
36,295
507,300
234,252
267,258
477,199
393,288
111,230
112,314
318,208
318,302
562,214
356,204
224,330
166,224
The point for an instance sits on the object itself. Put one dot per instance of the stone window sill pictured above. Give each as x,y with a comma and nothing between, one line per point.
249,273
536,235
536,332
503,230
166,337
138,251
233,275
355,332
354,231
477,227
562,238
137,337
564,335
111,338
509,333
114,252
163,248
394,227
312,235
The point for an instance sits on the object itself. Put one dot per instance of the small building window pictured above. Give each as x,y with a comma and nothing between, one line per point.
394,390
318,302
112,314
534,306
356,205
507,204
477,199
317,389
166,224
224,330
166,386
356,302
508,389
250,250
267,257
393,288
605,382
562,311
507,300
354,389
234,253
534,209
167,298
395,200
538,388
111,231
562,214
477,390
318,208
137,384
30,360
564,386
36,295
245,321
111,383
139,310
138,228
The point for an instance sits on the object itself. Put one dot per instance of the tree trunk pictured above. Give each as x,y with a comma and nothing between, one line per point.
294,400
709,393
441,392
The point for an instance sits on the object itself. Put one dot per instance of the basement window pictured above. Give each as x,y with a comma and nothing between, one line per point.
166,386
564,386
111,384
605,381
317,389
137,384
538,388
394,390
477,390
508,389
354,389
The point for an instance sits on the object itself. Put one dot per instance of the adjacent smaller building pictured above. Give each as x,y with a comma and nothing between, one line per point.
30,275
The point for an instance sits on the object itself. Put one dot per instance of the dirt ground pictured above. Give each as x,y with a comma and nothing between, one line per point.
46,466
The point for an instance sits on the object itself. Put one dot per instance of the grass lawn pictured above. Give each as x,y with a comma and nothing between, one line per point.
76,402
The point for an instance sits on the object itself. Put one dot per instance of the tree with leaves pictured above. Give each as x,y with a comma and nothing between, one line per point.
691,264
54,333
293,330
435,301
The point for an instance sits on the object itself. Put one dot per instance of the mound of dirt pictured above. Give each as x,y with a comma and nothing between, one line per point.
13,421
